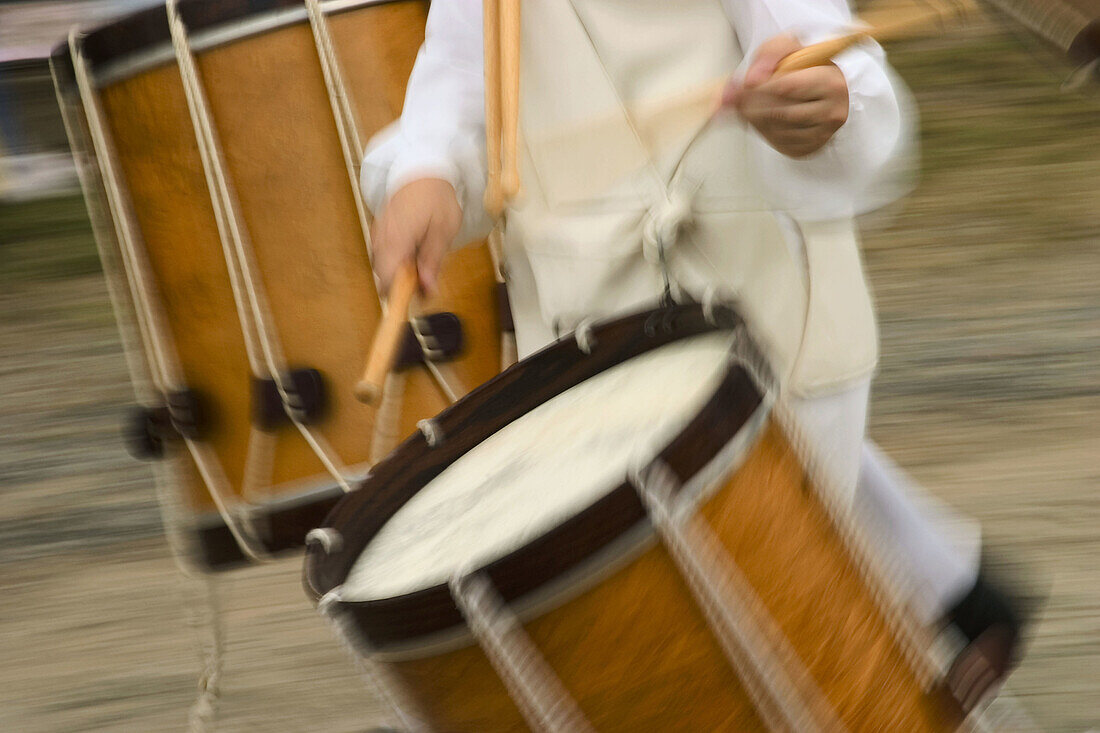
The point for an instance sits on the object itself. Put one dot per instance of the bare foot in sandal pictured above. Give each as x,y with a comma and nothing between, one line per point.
991,623
980,668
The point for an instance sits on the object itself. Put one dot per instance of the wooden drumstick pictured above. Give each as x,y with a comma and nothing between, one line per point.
494,195
509,70
820,54
390,333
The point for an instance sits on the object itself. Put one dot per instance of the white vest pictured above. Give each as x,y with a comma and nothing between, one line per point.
624,179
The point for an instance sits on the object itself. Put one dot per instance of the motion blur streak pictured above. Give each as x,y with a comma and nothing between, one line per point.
986,281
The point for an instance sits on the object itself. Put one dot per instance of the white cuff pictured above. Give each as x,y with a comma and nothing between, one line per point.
409,166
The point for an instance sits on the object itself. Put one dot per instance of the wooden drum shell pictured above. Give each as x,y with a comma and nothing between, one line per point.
273,116
636,654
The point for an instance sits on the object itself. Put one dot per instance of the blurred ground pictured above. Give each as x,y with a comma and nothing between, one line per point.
986,282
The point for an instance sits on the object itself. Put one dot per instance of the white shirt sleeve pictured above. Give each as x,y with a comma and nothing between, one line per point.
441,132
865,164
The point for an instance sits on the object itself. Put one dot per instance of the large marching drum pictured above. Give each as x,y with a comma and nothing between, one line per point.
219,145
620,533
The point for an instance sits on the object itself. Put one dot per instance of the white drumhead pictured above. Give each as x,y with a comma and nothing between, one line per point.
541,469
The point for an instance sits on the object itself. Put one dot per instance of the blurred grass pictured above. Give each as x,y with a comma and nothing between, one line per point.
1007,155
992,96
47,239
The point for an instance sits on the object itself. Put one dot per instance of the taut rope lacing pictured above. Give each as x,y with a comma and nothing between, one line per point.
164,371
540,696
402,709
351,143
255,316
160,372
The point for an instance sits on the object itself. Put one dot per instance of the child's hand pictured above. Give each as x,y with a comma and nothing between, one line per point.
419,223
796,112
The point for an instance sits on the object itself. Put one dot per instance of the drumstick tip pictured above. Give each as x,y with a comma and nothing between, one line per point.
368,392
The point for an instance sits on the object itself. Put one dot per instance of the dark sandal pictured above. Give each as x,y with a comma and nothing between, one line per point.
981,667
991,626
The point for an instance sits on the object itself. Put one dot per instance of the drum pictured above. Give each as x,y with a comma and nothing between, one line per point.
1070,26
219,145
619,534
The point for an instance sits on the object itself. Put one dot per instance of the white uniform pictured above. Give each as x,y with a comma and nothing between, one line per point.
630,187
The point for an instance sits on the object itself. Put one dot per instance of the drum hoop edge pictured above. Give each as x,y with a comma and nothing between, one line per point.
602,564
159,52
418,446
607,560
746,420
285,497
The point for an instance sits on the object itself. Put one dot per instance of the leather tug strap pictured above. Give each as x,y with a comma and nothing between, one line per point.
436,337
305,396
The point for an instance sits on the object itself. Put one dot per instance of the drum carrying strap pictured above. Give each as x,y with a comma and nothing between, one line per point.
501,35
540,696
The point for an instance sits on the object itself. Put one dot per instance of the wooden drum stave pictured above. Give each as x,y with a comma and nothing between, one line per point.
232,234
701,583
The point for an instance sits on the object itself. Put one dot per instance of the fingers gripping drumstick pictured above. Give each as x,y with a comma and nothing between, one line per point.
571,146
392,329
502,21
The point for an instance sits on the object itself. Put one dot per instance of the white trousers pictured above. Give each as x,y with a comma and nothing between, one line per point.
936,548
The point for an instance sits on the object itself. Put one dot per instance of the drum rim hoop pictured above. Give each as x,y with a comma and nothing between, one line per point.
564,549
146,29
